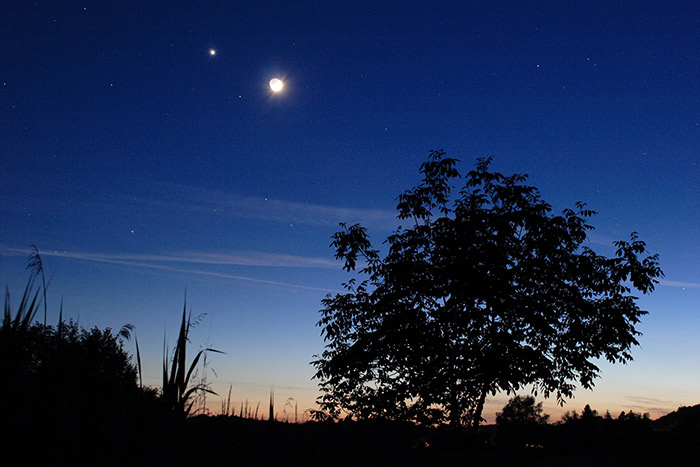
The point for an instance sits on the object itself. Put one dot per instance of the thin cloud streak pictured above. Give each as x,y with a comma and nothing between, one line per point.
246,258
254,258
221,203
685,285
137,261
651,404
598,239
233,259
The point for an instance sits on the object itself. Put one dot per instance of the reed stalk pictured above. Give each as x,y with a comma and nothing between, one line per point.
177,393
126,332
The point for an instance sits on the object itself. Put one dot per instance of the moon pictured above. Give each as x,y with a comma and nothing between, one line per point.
276,85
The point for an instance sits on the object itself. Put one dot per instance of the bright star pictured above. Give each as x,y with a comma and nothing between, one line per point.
212,52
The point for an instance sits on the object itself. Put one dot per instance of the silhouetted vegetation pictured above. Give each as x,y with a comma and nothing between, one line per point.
66,391
177,393
520,422
683,420
483,293
522,411
72,396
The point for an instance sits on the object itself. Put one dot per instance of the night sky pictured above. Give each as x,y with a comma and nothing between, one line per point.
142,165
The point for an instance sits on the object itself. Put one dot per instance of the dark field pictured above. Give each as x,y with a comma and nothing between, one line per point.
231,441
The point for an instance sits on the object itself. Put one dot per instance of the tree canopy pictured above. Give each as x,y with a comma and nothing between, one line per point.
521,410
484,292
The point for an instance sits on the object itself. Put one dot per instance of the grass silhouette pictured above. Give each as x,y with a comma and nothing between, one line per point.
177,393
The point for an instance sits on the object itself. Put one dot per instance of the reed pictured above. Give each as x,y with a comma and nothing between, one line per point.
288,403
37,267
226,405
26,310
126,332
16,350
177,393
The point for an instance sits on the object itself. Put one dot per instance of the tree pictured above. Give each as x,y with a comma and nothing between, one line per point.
484,293
521,422
521,411
589,414
570,417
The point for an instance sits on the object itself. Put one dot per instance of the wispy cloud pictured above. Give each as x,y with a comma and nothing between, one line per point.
657,407
216,202
684,285
252,258
163,262
648,401
597,239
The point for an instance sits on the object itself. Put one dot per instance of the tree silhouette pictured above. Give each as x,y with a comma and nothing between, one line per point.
521,410
589,414
487,292
521,422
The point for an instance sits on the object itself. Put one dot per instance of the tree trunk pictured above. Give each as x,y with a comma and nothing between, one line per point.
479,407
455,411
454,415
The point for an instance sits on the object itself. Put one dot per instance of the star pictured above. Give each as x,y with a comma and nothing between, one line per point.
212,52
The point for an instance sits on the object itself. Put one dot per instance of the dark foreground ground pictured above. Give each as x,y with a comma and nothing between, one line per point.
232,441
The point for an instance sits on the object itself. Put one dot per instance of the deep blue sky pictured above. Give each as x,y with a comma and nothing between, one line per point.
141,165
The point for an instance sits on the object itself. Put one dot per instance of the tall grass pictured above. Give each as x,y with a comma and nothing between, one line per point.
15,350
226,405
288,403
247,410
27,308
126,332
177,393
37,267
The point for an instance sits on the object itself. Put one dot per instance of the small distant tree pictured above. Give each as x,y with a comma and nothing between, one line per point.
588,413
483,293
633,416
569,416
522,410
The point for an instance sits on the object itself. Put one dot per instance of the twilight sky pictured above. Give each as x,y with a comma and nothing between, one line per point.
142,165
